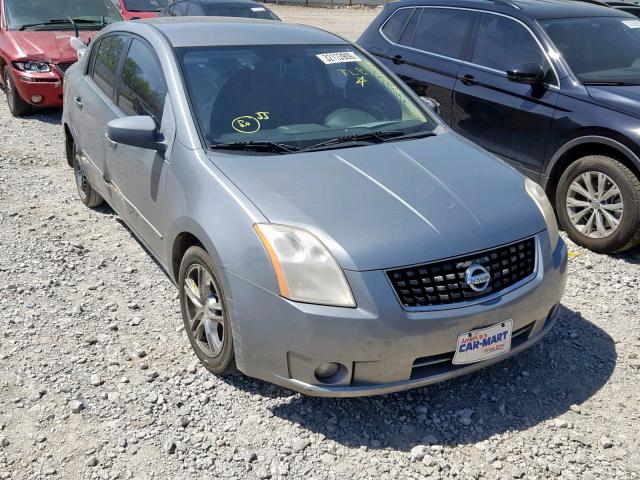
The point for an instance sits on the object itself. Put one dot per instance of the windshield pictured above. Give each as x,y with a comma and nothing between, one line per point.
145,5
295,95
55,13
598,49
247,11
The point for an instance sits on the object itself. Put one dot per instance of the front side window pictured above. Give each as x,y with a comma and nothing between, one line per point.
443,31
504,44
296,95
107,58
394,27
145,5
142,86
59,14
598,49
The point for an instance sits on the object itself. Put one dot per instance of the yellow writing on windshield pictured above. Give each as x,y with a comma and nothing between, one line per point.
249,123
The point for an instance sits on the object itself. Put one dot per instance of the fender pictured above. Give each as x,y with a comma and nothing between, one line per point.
623,149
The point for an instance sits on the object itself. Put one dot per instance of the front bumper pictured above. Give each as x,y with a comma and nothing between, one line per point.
48,85
383,347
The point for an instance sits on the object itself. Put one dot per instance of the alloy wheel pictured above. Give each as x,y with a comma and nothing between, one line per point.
8,90
205,312
594,204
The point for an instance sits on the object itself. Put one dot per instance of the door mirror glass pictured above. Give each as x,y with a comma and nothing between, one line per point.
529,73
138,132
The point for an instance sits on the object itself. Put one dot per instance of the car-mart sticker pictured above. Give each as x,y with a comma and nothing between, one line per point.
338,57
632,23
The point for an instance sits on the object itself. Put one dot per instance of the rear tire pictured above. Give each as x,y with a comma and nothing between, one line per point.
598,204
17,106
87,194
205,313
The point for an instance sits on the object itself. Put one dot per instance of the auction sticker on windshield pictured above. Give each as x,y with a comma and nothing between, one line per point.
484,343
338,57
632,23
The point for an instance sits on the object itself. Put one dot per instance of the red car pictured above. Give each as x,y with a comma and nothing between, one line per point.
136,9
35,48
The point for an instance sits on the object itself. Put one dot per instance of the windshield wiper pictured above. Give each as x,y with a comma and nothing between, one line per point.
370,137
262,146
58,21
615,84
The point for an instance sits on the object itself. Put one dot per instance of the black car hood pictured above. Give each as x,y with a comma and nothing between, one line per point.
623,99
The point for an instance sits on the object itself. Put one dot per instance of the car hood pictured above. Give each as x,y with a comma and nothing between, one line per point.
129,15
48,46
624,99
392,204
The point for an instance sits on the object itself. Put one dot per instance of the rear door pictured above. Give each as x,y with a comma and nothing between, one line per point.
93,104
509,119
428,54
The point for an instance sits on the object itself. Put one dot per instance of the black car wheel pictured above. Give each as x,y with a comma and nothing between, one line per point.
204,312
598,204
17,106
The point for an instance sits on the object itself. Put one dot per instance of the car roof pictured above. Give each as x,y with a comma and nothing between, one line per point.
537,9
226,31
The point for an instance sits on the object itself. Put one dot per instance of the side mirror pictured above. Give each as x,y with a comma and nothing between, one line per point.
138,132
431,104
528,73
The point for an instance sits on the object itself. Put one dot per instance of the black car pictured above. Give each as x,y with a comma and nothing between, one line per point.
551,87
219,8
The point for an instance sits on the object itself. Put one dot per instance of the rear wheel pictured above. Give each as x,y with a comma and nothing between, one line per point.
17,106
598,204
204,312
87,194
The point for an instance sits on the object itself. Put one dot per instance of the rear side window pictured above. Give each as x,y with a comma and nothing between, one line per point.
443,31
504,44
142,88
395,25
107,59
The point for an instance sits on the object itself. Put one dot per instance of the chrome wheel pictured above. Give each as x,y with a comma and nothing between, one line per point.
594,204
81,179
205,313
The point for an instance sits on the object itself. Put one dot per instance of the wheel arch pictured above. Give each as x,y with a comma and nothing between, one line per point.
581,147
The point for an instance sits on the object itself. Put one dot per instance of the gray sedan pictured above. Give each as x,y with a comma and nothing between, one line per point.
326,231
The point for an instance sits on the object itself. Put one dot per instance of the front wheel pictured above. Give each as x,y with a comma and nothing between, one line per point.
598,204
17,106
204,312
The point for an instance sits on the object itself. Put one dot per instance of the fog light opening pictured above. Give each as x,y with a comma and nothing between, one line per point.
330,372
36,98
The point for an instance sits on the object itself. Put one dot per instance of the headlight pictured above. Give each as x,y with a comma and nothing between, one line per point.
32,66
305,269
536,192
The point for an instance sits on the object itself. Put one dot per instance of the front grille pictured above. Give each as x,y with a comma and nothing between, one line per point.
64,66
443,282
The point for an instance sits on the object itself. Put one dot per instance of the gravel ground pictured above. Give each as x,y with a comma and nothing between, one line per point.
97,379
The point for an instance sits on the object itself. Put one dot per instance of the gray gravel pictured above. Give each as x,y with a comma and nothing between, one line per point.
98,381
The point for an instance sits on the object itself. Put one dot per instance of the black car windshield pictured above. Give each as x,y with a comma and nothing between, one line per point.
246,11
145,5
294,95
599,49
43,14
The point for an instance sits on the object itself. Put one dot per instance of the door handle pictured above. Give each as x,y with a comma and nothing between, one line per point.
468,80
78,101
397,59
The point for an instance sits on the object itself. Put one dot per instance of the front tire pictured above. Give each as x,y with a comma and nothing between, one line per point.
204,312
17,106
598,204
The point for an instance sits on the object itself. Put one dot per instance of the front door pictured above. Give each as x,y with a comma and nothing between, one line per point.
137,174
511,120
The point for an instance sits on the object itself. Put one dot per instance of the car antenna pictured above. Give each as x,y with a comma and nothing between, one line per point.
75,26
